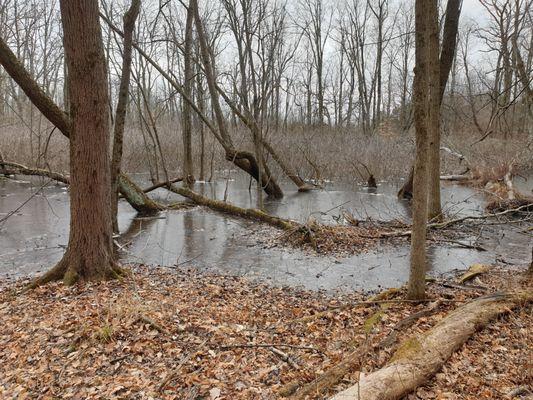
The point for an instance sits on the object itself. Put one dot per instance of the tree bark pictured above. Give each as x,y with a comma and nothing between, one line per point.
120,116
89,255
187,87
419,358
434,202
416,286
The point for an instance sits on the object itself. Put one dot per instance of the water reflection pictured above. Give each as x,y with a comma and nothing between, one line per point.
34,238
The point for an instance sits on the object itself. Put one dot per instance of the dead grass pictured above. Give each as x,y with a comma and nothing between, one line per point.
319,153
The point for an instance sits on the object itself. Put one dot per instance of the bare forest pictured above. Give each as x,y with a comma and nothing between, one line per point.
266,199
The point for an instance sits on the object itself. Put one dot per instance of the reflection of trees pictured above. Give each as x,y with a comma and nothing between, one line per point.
136,227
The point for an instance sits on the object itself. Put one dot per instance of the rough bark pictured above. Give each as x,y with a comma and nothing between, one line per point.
120,115
416,286
420,357
133,194
187,87
434,202
89,255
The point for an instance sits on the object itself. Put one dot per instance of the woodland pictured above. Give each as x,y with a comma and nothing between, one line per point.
266,199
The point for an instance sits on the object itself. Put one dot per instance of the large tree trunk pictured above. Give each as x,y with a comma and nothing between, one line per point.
187,87
132,193
89,255
118,137
416,287
419,358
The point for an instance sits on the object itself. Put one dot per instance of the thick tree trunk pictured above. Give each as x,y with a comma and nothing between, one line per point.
89,255
187,87
416,287
118,137
419,358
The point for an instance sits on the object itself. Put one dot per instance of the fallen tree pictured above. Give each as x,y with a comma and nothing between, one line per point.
420,357
19,169
222,206
354,359
131,192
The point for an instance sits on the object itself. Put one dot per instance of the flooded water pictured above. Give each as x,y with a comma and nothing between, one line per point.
34,238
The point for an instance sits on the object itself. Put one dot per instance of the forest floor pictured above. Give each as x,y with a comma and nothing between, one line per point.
161,334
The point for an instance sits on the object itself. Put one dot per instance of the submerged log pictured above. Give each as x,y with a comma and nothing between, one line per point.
222,206
420,357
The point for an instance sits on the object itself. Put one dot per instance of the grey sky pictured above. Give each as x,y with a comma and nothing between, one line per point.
473,9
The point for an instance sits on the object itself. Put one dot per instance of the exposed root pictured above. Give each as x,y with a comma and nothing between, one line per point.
67,271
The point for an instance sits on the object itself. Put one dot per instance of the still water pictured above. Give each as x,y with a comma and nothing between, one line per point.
34,238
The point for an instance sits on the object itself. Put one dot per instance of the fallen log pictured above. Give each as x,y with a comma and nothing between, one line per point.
222,206
129,190
354,359
455,178
61,120
19,169
420,357
162,184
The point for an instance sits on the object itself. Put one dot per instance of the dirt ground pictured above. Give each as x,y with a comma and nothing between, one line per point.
163,334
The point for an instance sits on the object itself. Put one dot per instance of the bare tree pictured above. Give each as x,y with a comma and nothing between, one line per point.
421,99
188,175
120,116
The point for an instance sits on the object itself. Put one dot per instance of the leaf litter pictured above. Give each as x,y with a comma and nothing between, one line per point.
184,335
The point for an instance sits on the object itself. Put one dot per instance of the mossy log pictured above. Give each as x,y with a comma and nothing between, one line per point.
19,169
136,197
354,359
222,206
420,357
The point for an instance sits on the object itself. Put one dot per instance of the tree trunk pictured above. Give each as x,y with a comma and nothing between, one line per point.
419,358
416,287
89,255
434,203
449,44
118,136
187,87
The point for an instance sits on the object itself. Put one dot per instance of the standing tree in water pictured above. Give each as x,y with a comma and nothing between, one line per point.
89,255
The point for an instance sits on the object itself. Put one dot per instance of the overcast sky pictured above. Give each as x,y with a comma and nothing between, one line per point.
473,9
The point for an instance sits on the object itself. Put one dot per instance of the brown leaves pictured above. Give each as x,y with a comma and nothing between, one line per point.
182,335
